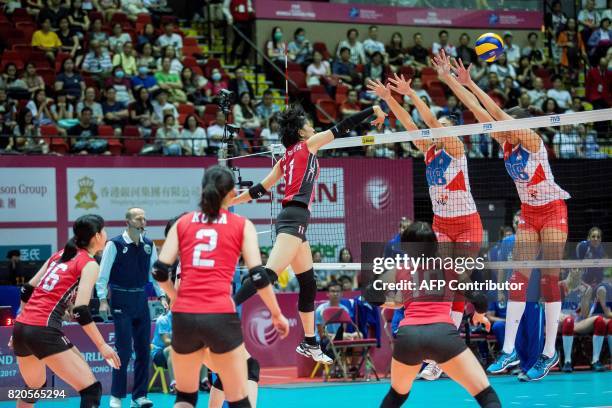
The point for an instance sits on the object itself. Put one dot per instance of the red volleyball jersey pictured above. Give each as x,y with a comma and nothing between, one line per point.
301,171
209,253
56,290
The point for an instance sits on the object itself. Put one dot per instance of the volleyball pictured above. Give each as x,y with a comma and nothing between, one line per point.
489,46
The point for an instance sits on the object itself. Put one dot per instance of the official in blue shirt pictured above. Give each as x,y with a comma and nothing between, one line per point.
592,249
126,266
393,246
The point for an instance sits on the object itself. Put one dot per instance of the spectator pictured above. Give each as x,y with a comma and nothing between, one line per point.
494,84
300,49
551,107
513,51
466,53
27,134
8,111
133,7
577,105
345,256
351,105
589,149
78,19
524,73
417,86
97,62
142,113
245,117
392,247
396,51
453,110
241,15
107,7
559,94
161,345
85,136
600,41
239,84
118,39
357,53
270,135
536,54
537,95
524,101
511,92
344,69
372,45
46,40
126,59
98,34
443,44
176,67
147,36
54,11
170,38
334,294
168,136
62,110
193,137
267,107
33,81
480,73
16,87
215,130
557,20
144,80
419,54
588,18
416,117
70,41
565,142
146,58
70,81
375,70
317,70
193,85
122,86
591,248
275,46
89,101
115,112
161,107
39,106
170,82
7,139
502,68
599,84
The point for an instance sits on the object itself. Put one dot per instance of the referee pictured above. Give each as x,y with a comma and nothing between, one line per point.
126,269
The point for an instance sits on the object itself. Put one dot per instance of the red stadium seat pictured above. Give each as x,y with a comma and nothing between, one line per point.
331,111
51,136
294,66
114,144
190,42
95,15
133,141
190,62
407,71
317,93
21,15
468,117
341,94
27,28
143,18
299,80
168,19
121,18
210,113
12,57
322,48
186,109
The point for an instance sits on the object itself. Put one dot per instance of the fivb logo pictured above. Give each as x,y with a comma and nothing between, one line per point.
487,126
555,120
425,132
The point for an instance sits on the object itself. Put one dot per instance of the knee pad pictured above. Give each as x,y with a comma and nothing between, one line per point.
567,327
488,398
272,276
549,285
599,326
90,396
253,368
187,397
33,400
519,292
217,383
243,403
308,291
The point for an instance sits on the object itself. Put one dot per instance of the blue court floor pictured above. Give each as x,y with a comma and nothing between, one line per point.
584,389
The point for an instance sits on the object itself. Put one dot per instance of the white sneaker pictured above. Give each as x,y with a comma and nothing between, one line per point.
115,402
313,352
142,402
431,372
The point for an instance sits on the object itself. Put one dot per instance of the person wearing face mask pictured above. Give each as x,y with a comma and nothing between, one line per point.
217,83
121,84
144,80
275,51
126,59
300,49
125,268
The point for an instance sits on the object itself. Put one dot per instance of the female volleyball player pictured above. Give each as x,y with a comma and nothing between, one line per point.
205,325
300,169
37,339
427,332
543,216
455,216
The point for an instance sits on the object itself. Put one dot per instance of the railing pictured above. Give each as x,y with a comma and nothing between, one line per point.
528,5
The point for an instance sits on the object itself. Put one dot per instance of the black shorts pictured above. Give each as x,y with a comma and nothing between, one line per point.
293,220
159,359
40,341
221,332
438,342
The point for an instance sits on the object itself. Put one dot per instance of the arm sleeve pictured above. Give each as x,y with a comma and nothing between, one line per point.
158,290
108,258
345,126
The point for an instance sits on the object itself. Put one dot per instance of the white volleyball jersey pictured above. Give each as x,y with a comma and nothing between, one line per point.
532,176
449,185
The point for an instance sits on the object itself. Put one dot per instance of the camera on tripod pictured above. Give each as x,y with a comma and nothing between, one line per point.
224,100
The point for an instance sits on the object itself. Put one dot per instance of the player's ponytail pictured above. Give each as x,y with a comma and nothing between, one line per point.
421,239
85,228
218,182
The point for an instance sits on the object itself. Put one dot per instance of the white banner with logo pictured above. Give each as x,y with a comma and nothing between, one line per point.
27,194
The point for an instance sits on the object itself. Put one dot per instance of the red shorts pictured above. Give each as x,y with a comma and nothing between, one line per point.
464,228
551,215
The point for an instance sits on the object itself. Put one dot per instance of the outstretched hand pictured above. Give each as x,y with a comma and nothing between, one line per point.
401,85
380,117
377,88
463,73
441,63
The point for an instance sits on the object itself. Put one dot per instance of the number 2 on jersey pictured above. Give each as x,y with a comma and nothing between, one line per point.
51,278
212,235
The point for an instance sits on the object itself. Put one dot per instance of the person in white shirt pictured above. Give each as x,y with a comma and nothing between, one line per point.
317,70
169,37
270,134
589,17
161,107
502,68
372,45
565,142
193,137
537,95
417,86
559,94
215,131
513,51
356,47
443,43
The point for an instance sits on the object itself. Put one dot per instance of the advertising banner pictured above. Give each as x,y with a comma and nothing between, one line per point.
34,244
27,195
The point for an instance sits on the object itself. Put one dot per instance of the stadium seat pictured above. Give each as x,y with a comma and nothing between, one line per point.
299,82
95,15
294,66
187,109
114,144
27,28
317,93
190,42
12,57
341,93
51,136
133,141
468,117
210,112
21,15
322,48
407,71
331,111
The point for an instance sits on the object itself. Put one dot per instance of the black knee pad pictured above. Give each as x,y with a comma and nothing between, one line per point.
90,396
272,276
308,291
188,397
33,400
488,398
217,383
243,403
253,367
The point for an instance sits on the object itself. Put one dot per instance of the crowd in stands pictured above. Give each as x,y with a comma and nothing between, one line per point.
79,76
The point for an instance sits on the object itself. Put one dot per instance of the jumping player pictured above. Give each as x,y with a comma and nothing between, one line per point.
543,216
205,325
300,168
455,216
427,332
37,339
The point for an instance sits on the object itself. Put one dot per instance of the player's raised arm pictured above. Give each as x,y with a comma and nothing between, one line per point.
260,189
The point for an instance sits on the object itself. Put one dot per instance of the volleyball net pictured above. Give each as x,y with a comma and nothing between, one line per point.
363,198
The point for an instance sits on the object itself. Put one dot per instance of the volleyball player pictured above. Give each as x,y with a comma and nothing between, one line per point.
543,216
37,339
205,324
300,169
456,219
428,332
601,311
